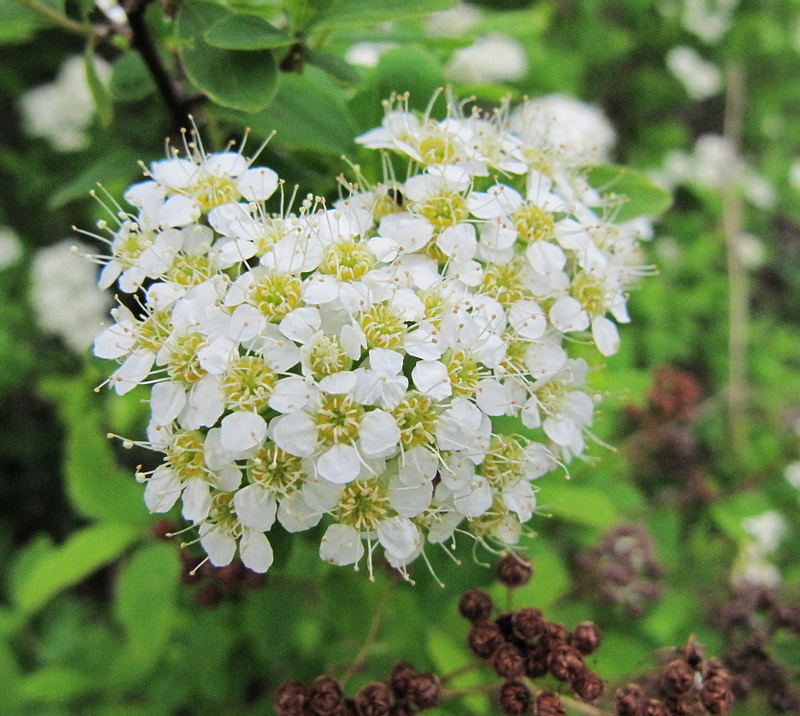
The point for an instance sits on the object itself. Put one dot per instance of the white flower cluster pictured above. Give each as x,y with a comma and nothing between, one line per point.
361,364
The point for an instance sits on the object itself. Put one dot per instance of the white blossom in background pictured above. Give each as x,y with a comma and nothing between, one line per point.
454,22
112,10
62,111
491,58
10,247
713,163
371,366
367,54
753,566
562,131
709,20
792,474
701,79
65,295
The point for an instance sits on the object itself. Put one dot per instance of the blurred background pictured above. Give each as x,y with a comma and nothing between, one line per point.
687,513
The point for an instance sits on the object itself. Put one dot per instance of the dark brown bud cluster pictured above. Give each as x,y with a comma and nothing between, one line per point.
685,685
664,443
621,569
514,570
524,644
749,624
405,692
216,584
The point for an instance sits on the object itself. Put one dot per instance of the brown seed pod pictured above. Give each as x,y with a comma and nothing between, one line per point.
513,570
586,638
475,605
425,690
291,699
484,637
508,661
514,698
528,624
373,699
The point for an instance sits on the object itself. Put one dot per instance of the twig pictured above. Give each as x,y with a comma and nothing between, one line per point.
62,21
142,42
738,297
460,671
363,652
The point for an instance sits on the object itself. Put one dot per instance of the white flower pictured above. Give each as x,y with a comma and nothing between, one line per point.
700,78
62,110
65,295
492,58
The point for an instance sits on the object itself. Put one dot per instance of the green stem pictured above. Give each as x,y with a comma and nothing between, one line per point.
372,633
461,670
738,294
62,21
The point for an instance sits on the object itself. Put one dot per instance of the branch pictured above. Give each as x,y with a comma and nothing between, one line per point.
62,21
738,295
142,42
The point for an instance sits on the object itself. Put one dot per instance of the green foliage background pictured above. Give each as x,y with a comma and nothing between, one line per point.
94,618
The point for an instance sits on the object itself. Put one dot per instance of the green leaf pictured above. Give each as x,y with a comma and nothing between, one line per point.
241,80
130,78
100,93
18,23
145,606
729,514
71,562
335,66
575,503
107,170
448,653
245,32
636,194
97,487
54,685
308,114
368,12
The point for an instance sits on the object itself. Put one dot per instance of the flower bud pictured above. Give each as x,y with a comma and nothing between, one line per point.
425,690
374,699
586,638
326,697
508,661
565,663
548,704
514,698
588,686
483,638
528,624
400,679
677,677
291,699
514,570
475,605
629,700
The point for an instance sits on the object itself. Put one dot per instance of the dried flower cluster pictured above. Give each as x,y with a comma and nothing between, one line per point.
622,569
750,623
406,691
375,363
687,685
523,644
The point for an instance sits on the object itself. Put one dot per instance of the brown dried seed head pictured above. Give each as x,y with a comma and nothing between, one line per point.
565,663
373,699
514,570
586,637
326,697
548,704
588,686
717,695
475,605
654,707
514,698
291,699
629,700
528,624
484,637
677,677
400,678
425,691
508,661
536,661
555,635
